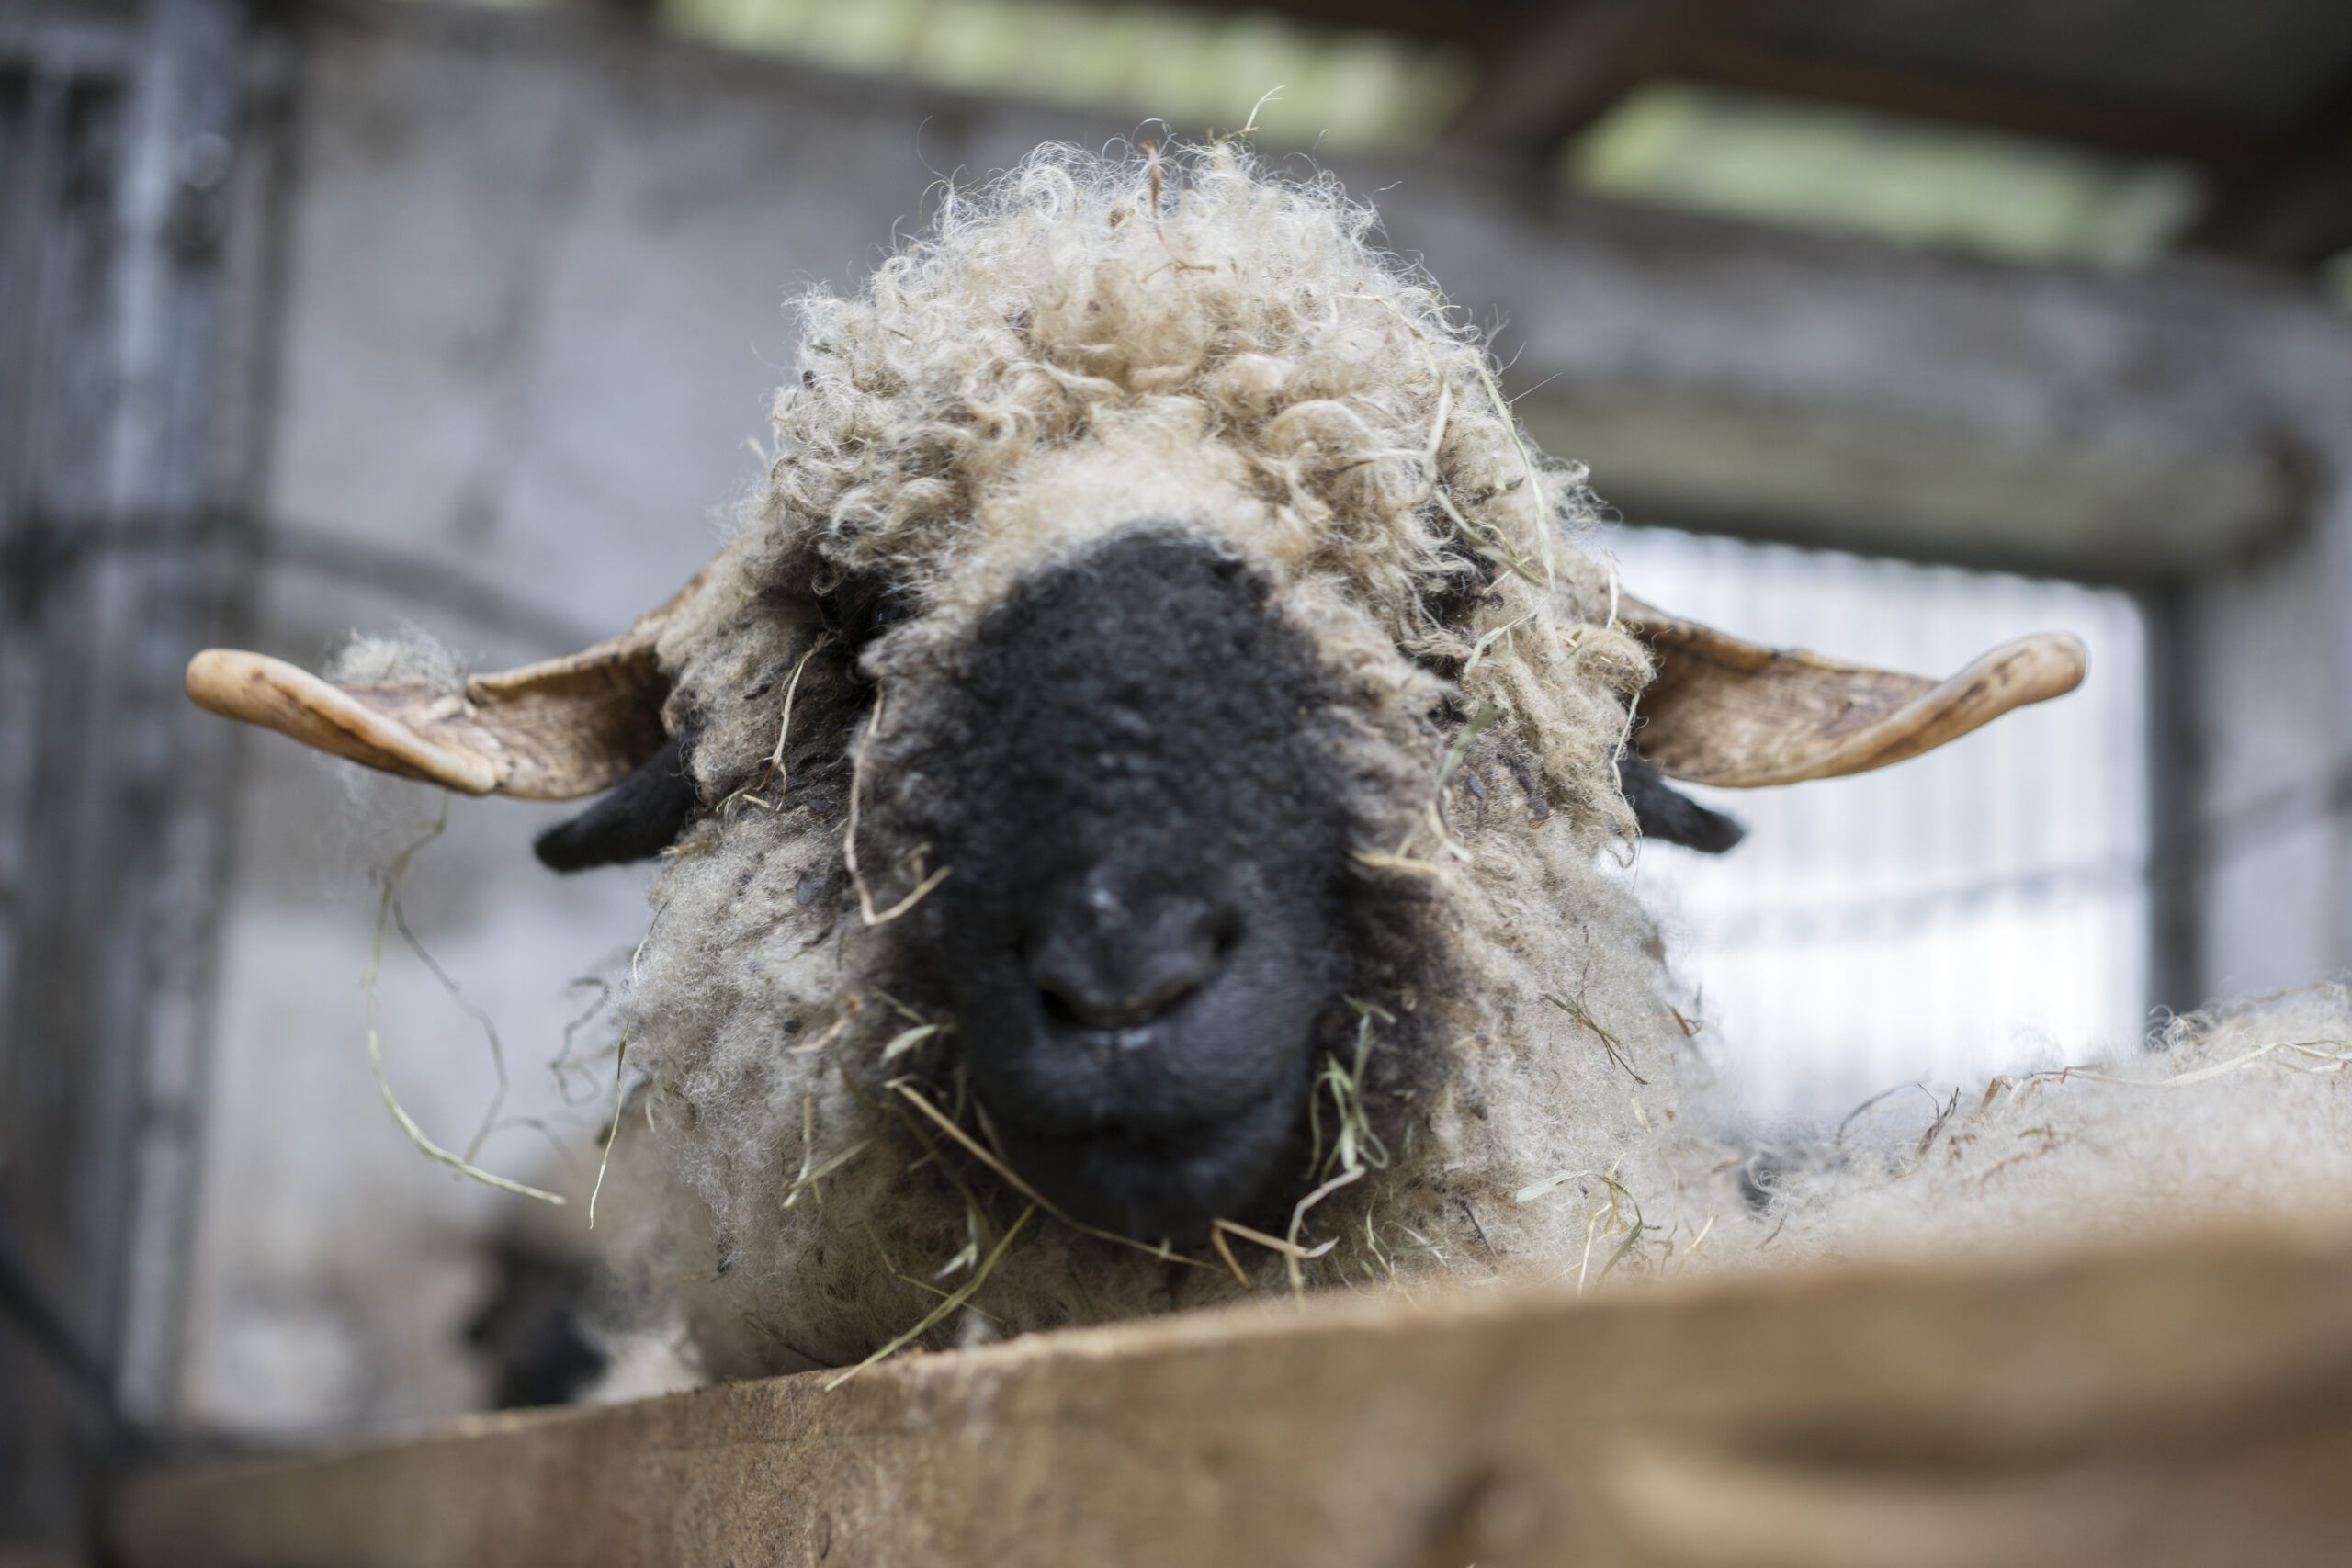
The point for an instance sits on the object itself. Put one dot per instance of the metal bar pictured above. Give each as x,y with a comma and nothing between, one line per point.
116,821
2180,865
2150,129
1543,81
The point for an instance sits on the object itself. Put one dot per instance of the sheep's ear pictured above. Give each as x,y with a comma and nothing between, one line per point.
555,730
552,731
1669,815
636,820
1727,712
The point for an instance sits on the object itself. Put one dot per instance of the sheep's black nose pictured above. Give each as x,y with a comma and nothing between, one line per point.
1105,959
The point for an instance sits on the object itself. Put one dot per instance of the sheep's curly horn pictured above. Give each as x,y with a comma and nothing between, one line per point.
1732,712
555,730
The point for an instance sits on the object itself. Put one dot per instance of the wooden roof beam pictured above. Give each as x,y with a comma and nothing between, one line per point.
2290,202
1543,81
2136,128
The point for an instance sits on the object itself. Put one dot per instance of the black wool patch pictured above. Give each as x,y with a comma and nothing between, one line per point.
1671,817
636,820
1143,921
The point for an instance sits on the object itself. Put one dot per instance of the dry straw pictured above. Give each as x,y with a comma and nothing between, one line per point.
388,891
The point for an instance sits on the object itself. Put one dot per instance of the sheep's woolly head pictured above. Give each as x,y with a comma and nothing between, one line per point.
1135,792
1156,473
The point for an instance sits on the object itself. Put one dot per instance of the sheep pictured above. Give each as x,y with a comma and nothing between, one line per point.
1132,798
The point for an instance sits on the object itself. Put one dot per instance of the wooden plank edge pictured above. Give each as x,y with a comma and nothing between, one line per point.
2170,1400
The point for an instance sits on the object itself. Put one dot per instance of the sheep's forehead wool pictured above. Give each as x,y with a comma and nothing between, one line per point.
1148,467
1064,354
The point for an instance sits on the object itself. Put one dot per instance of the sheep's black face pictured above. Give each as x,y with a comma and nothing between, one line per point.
1139,931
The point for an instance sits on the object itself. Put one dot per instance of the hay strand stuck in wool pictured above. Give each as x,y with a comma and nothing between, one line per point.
948,1303
1356,1148
1485,538
907,1040
776,772
1553,1183
927,1288
1478,649
832,1163
810,1174
620,1071
851,1006
849,839
1225,1251
1004,1173
1455,753
1608,1041
1509,417
562,1066
394,873
1250,126
1293,1253
2332,1057
1410,865
449,984
1356,1141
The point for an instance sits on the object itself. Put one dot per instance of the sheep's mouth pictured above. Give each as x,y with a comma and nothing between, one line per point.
1163,1183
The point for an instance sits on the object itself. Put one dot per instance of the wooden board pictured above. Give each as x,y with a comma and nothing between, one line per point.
2179,1401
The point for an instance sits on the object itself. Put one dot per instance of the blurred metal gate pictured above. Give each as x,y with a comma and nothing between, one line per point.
116,140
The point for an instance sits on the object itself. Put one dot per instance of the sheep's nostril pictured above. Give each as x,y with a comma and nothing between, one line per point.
1223,936
1093,1003
1108,983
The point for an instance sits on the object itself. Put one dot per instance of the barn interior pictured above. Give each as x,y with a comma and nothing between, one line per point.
1888,327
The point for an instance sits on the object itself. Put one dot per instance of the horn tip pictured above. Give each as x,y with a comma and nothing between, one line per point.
220,680
255,688
2060,660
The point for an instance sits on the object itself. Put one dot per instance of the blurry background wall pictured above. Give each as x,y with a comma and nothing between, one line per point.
1893,329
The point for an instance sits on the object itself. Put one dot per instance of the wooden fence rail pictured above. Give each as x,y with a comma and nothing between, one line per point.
2175,1400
